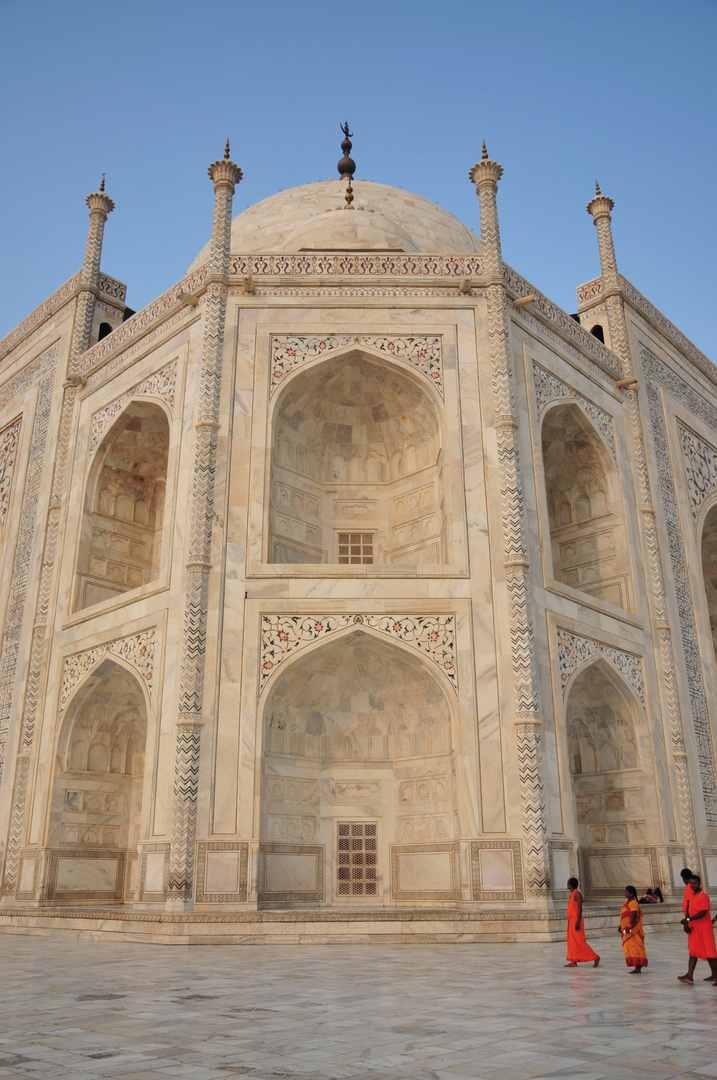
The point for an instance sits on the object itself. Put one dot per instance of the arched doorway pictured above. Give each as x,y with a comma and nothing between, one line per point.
587,529
612,777
121,533
97,790
356,468
358,756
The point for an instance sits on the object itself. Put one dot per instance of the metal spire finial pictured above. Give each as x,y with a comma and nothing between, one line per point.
597,188
102,182
347,166
226,151
484,156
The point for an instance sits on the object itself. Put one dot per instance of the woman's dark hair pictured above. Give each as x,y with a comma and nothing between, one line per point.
658,893
572,883
686,874
632,891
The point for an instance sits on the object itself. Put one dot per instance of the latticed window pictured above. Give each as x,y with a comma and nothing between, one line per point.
355,548
357,869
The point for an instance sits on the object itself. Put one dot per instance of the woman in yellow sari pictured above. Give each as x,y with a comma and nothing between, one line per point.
631,932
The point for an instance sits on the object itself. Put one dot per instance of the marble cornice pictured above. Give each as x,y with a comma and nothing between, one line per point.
548,313
41,314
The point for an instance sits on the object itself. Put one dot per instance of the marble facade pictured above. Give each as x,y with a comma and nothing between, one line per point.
353,574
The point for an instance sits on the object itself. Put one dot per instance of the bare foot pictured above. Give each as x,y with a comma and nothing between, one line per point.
596,961
570,965
685,979
635,971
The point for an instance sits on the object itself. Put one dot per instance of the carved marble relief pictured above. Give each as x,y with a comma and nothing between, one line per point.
549,388
431,635
422,353
137,650
161,384
9,438
700,461
574,650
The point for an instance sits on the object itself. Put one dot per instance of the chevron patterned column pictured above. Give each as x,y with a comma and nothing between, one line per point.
485,175
100,206
225,175
600,208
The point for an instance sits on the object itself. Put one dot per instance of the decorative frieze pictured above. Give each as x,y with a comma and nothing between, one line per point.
109,286
668,329
9,438
431,635
590,290
549,388
700,461
137,650
454,267
422,353
53,303
574,650
161,384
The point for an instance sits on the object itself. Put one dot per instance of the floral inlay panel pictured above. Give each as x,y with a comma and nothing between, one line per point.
700,462
162,384
422,353
431,635
9,438
574,650
137,650
549,388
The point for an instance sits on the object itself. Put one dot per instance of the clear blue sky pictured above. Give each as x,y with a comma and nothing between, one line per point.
563,92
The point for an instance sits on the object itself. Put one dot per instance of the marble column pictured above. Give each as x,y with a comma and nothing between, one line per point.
100,206
600,209
485,175
225,175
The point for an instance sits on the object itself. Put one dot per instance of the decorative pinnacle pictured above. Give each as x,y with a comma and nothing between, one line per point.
347,166
601,205
102,182
485,171
226,151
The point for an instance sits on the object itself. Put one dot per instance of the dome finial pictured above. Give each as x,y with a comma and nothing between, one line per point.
347,166
484,156
226,151
102,182
597,188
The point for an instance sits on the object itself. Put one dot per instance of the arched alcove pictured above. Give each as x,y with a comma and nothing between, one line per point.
356,468
121,532
357,733
97,792
612,776
709,569
585,508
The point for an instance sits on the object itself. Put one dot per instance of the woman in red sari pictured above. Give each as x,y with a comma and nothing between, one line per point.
697,925
579,952
631,932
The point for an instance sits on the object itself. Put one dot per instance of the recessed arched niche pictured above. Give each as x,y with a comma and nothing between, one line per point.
709,569
611,771
97,796
356,468
588,538
357,735
123,509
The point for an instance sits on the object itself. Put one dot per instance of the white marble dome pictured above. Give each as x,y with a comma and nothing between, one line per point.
312,218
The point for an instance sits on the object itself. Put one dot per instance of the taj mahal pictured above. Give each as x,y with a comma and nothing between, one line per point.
352,590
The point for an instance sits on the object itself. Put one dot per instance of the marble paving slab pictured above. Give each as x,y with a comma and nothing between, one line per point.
97,1010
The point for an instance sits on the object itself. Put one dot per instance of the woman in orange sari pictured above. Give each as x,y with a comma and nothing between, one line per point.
579,952
631,932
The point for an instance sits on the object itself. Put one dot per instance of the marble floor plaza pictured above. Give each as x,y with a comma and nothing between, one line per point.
94,1010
